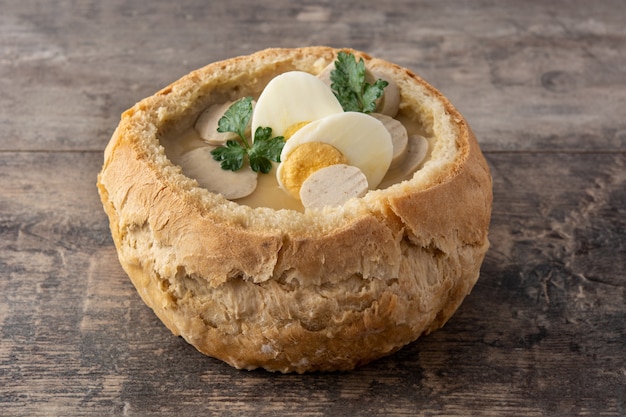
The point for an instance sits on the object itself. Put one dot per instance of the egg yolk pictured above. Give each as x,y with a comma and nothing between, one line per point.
304,160
293,129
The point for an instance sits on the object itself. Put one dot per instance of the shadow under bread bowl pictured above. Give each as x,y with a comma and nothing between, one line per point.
293,290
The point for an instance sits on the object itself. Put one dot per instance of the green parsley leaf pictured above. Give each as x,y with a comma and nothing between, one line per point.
350,87
231,155
265,149
236,119
371,93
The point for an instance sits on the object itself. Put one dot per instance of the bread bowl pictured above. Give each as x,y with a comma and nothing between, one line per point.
285,289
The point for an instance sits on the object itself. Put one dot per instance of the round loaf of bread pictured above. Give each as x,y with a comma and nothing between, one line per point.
289,290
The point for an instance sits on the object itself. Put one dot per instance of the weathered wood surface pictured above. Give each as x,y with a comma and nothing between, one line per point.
543,85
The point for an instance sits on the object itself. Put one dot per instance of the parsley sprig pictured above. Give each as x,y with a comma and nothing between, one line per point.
350,87
264,149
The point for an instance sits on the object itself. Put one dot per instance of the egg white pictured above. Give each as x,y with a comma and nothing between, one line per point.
291,98
363,140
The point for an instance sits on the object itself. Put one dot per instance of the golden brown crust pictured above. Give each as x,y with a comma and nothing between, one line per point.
288,291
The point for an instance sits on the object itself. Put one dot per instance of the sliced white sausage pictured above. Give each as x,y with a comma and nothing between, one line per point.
208,122
418,148
333,186
199,164
325,75
399,137
389,103
414,157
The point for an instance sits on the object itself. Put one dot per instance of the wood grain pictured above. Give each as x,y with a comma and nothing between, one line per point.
546,310
540,75
543,85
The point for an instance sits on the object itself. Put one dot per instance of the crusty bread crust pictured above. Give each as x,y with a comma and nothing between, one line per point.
289,291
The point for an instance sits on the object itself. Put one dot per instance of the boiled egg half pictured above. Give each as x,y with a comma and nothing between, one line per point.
291,100
343,138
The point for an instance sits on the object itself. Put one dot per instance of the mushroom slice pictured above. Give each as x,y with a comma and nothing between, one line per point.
399,137
199,164
333,186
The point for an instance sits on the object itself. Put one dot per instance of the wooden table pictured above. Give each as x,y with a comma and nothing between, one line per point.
543,84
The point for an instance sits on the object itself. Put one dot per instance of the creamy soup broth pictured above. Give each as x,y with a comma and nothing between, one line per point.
268,193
